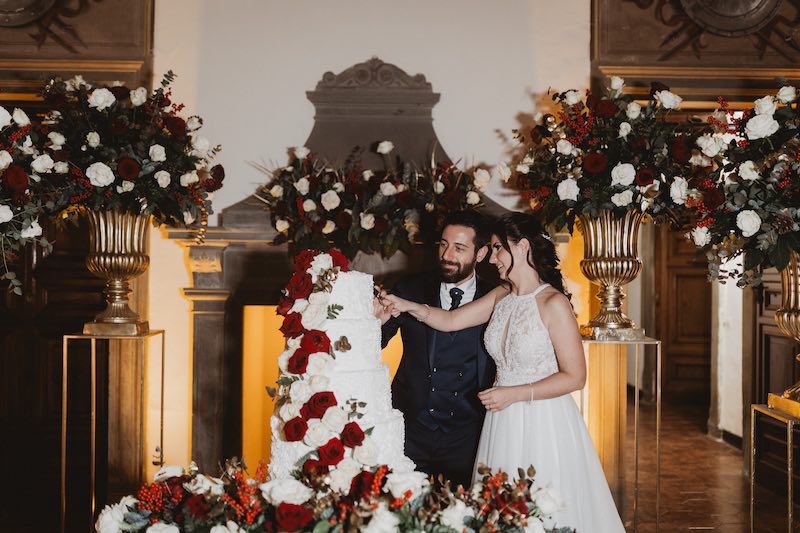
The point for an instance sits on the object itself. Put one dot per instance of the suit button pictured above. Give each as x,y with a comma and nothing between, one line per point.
451,413
433,389
429,376
430,410
434,369
455,393
460,375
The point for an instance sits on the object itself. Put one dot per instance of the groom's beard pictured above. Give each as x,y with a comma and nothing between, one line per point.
452,272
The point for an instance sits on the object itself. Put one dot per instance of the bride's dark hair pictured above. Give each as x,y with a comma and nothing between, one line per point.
542,257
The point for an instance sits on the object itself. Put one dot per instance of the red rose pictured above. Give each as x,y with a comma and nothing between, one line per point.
606,109
315,340
128,169
645,176
344,220
176,126
316,406
315,468
361,485
298,362
339,260
198,506
295,429
352,435
303,260
292,325
680,150
15,180
290,517
299,286
120,92
713,198
332,452
594,163
284,305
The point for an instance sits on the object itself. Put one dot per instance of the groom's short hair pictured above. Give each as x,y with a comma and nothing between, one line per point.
471,219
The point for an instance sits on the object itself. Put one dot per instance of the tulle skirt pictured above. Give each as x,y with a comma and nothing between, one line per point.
551,436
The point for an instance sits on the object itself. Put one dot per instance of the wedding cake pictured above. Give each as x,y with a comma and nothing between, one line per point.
354,374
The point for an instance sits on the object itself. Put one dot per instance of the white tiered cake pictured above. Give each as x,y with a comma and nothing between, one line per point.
356,374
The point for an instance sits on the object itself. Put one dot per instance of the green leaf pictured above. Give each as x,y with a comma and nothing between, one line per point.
753,259
333,311
322,527
779,255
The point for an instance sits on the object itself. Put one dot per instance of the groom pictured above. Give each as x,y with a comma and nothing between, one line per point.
440,374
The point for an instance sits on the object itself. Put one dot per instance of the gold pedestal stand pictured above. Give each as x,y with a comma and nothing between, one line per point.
140,342
790,422
609,408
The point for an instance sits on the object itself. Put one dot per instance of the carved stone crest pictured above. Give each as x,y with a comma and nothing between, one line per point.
373,73
731,18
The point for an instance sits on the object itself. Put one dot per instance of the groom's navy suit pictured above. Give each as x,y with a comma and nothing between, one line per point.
436,385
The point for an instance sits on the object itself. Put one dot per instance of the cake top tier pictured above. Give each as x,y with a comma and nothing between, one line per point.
354,292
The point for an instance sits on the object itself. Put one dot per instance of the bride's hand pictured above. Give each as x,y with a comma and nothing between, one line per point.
399,304
497,398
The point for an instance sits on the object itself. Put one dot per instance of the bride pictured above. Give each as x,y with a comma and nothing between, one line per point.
534,339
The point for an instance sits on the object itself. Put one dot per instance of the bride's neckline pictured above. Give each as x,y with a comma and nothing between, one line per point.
534,292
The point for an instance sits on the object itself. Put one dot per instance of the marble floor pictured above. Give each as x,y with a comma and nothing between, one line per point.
703,484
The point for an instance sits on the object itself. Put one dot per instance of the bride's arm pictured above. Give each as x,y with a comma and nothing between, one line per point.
571,375
472,314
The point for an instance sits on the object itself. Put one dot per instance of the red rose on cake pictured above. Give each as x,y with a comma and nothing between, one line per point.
295,429
316,406
332,452
352,435
315,340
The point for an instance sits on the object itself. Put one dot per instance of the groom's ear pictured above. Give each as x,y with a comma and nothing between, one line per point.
481,253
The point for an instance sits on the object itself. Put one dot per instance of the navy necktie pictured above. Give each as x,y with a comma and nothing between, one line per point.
455,297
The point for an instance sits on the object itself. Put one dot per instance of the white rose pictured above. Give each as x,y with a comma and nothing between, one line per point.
382,521
366,453
301,152
20,117
385,147
455,514
748,171
5,159
523,169
138,96
388,189
329,227
668,99
633,110
302,186
200,145
787,94
711,145
100,175
62,167
367,221
205,485
481,178
398,483
317,434
285,490
617,83
93,139
6,214
367,174
438,187
765,106
299,392
161,527
502,171
229,527
335,417
749,222
568,190
277,192
43,163
699,236
113,516
319,364
761,126
157,153
5,117
320,264
338,186
76,82
342,476
563,146
309,205
56,138
289,410
623,174
534,525
319,383
189,178
548,500
623,198
127,186
163,178
429,207
167,472
101,99
193,123
473,198
572,97
281,225
624,130
678,190
316,313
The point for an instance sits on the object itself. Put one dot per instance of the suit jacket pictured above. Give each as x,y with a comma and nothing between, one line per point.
410,388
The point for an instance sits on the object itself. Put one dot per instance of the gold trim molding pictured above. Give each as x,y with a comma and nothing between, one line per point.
700,72
47,65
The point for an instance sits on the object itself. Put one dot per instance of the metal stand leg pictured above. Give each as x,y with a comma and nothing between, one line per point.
752,464
790,482
64,351
658,435
636,439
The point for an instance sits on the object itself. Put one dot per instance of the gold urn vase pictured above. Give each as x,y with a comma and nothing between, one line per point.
117,253
788,319
611,260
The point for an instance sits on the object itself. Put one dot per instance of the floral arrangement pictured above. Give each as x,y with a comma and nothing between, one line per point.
21,201
605,153
117,148
315,205
747,192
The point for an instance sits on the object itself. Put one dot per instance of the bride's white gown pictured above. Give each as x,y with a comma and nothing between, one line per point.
548,434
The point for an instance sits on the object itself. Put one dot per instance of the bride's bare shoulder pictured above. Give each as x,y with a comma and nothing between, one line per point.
555,301
500,292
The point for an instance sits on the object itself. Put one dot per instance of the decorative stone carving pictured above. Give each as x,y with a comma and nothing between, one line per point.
376,74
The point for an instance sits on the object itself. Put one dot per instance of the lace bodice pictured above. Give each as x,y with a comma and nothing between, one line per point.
518,340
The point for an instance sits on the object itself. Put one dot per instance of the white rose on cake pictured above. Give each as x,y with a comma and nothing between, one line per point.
299,392
342,476
319,383
335,418
318,434
289,410
320,264
316,313
319,364
749,222
366,453
285,490
398,483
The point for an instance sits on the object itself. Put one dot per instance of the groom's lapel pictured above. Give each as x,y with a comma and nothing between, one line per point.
432,299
